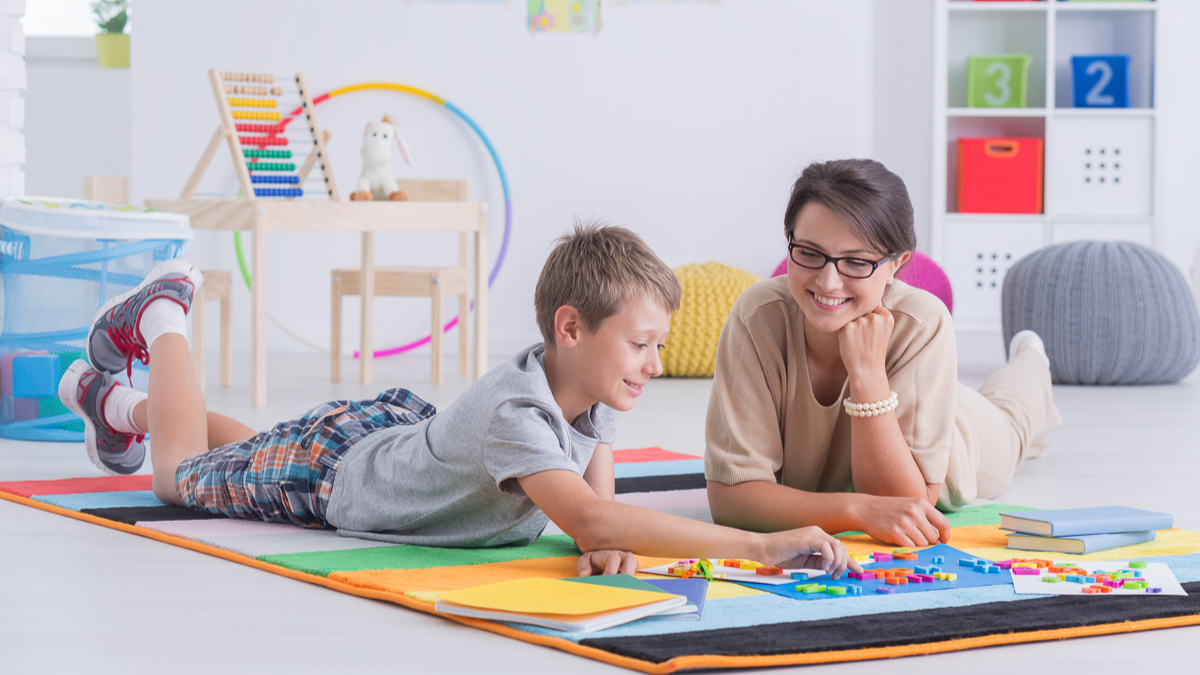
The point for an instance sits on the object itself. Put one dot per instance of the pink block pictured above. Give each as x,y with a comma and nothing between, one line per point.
915,578
1027,571
924,577
882,557
866,576
1007,564
25,409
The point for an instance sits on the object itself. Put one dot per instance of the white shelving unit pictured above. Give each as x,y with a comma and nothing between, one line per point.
1100,165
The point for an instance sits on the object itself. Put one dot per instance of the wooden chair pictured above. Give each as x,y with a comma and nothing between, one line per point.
217,284
432,282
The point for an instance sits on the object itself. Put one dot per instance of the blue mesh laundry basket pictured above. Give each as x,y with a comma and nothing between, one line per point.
60,260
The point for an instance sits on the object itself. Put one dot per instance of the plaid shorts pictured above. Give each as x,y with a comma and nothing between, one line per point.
285,475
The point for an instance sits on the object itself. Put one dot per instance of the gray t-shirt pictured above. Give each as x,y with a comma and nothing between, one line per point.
450,480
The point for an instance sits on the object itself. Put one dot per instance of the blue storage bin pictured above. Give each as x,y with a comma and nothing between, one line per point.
61,260
1100,81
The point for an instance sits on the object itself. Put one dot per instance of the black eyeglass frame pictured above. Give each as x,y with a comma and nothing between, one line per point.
792,246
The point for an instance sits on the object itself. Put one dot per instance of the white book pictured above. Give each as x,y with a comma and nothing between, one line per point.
583,623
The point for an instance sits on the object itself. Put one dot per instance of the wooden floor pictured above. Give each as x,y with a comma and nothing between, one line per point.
77,598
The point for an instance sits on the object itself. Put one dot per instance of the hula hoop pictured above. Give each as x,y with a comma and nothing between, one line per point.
406,89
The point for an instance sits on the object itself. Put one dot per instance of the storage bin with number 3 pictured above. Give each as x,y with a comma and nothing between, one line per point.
1000,175
1100,81
999,81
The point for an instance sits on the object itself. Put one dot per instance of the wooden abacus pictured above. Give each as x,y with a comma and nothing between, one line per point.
241,108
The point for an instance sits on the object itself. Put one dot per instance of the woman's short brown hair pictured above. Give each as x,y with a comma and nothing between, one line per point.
596,269
871,202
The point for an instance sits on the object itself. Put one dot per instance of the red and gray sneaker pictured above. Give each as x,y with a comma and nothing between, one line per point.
84,389
114,339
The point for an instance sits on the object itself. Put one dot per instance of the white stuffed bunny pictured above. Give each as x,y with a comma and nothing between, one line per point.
376,180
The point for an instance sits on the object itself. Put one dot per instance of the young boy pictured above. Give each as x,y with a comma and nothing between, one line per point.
528,443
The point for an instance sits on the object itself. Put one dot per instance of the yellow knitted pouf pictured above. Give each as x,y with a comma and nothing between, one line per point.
709,291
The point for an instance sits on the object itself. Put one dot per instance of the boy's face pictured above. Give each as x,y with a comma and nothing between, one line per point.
614,362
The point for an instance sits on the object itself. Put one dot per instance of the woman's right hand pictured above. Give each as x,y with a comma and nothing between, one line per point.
905,521
808,547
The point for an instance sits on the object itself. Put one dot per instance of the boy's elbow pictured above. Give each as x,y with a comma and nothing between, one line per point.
591,530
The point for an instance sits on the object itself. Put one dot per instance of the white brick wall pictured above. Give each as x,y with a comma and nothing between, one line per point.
12,103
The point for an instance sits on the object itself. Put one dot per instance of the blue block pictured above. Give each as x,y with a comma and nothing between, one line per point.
1137,573
35,376
800,576
854,590
1075,577
1100,81
933,568
885,590
992,569
966,563
939,559
1089,580
921,569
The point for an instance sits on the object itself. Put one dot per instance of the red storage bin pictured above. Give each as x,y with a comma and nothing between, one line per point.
1000,175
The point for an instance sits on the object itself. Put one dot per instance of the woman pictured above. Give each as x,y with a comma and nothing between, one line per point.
836,401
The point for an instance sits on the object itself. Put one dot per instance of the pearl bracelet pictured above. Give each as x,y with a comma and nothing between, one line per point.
871,409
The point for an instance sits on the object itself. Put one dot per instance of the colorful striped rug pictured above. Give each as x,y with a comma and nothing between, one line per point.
741,626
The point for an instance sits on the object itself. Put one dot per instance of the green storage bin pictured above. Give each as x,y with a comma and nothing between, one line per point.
997,81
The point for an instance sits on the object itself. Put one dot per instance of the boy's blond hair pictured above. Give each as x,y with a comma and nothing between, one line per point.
595,269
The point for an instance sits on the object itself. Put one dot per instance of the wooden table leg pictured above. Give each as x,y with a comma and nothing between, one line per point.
481,290
258,314
366,354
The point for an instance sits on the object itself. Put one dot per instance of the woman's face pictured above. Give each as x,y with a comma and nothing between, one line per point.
829,299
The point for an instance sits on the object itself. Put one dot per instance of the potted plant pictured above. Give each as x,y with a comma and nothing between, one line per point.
112,44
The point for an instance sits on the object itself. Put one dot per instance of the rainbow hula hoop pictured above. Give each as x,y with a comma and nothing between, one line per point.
403,88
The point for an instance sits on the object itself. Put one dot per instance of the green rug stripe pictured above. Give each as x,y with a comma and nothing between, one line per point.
985,514
323,563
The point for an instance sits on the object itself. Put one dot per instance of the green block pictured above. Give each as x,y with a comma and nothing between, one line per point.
52,407
1137,564
1135,585
813,588
997,81
836,590
65,359
1051,580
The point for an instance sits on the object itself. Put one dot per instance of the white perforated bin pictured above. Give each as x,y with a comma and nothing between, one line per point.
1101,166
978,254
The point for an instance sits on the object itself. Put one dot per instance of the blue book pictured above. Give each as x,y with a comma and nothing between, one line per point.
1084,543
692,589
1094,520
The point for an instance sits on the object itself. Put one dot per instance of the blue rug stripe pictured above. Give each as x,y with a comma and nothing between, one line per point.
101,500
771,609
677,467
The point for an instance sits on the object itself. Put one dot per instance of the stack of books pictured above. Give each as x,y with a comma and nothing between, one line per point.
583,604
1080,531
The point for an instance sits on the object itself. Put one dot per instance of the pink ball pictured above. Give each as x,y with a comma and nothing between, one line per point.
921,272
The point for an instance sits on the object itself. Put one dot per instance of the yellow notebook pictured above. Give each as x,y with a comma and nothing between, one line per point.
557,604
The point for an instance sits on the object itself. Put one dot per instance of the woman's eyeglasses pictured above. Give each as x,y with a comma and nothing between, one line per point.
852,268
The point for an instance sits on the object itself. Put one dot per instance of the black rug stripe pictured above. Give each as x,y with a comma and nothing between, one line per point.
131,515
904,628
689,481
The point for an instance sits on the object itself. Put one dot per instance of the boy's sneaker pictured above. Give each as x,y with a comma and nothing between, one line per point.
84,389
114,339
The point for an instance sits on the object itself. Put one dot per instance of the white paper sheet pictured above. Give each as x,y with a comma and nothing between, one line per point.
1156,575
738,574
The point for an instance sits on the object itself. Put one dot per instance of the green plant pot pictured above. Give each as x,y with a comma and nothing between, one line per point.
113,49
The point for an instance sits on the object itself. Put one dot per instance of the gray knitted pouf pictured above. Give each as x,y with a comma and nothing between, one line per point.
1109,313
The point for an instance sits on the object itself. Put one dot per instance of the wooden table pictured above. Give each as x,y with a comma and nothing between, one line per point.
262,216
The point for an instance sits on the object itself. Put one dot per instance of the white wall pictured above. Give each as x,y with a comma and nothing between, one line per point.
78,117
12,105
686,123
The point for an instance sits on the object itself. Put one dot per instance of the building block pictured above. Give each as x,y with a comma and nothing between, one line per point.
883,557
800,576
65,359
1008,564
858,557
896,581
921,569
932,569
1089,580
1100,81
1026,571
835,590
900,550
905,556
1090,590
856,590
997,80
25,409
53,407
35,376
949,576
913,578
867,575
992,569
1075,578
1155,589
813,588
768,571
1137,564
884,590
939,559
1050,579
966,563
924,578
1137,573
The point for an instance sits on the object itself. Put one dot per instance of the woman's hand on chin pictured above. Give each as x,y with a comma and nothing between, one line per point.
864,342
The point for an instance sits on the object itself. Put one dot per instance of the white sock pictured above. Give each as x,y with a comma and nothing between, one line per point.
118,409
160,317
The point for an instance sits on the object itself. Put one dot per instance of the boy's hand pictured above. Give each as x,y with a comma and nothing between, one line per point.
905,521
606,562
808,547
